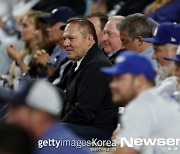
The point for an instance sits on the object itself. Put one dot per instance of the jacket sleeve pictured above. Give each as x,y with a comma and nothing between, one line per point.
91,94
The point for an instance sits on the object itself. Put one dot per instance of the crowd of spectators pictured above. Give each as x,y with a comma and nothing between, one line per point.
81,76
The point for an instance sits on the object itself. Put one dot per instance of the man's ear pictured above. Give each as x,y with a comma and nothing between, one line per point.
139,80
139,40
90,39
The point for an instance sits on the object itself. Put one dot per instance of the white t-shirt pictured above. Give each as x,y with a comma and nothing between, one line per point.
150,116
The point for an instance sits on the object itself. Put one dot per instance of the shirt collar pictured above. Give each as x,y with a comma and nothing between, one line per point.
109,55
147,51
78,63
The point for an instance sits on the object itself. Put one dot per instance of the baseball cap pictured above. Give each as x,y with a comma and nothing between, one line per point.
175,59
166,33
60,14
38,94
133,63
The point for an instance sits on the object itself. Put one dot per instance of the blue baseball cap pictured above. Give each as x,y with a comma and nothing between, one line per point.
166,33
175,59
61,14
133,63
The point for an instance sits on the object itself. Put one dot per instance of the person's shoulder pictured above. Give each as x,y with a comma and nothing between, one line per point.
144,99
58,130
100,60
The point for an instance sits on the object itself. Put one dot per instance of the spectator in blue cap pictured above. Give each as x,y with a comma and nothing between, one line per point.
56,19
176,72
57,63
36,107
128,68
146,112
165,44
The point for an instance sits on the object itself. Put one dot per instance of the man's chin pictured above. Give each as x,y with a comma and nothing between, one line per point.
70,57
163,71
107,50
119,102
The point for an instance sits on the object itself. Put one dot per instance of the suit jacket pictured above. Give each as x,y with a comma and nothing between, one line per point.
113,57
88,95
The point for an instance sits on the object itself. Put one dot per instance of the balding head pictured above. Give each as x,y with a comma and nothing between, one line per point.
118,19
111,37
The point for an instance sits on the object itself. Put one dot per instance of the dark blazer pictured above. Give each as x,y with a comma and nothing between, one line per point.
88,95
113,57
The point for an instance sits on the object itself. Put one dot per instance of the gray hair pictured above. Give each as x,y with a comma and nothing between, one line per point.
118,18
136,25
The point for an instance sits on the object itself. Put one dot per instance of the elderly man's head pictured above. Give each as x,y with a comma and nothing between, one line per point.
176,61
79,36
165,68
165,44
111,37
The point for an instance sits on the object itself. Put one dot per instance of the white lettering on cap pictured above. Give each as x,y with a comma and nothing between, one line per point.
120,59
173,39
55,10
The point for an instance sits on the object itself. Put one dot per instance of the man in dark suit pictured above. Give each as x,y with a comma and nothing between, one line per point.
88,110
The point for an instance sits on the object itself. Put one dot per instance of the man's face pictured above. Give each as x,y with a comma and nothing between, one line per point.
76,42
161,51
177,70
123,89
54,33
97,24
111,37
128,43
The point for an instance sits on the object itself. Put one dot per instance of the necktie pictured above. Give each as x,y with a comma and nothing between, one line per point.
71,71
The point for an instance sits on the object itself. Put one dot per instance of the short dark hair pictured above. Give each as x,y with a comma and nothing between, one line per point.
103,18
136,25
85,24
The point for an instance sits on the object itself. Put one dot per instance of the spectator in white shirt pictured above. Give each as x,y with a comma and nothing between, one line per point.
148,116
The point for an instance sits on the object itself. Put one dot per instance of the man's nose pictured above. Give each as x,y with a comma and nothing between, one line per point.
66,42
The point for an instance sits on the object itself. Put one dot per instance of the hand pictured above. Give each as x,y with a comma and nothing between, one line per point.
50,70
13,52
41,57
